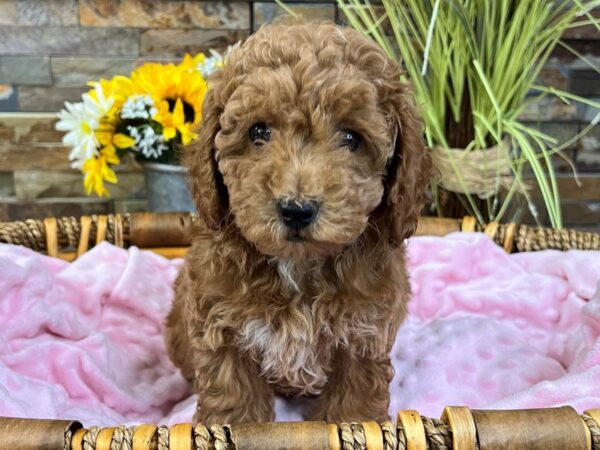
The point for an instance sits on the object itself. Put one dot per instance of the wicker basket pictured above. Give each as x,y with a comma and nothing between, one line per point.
166,233
459,428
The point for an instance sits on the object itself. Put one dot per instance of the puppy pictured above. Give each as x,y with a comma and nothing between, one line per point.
309,172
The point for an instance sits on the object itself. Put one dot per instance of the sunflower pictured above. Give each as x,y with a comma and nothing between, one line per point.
177,92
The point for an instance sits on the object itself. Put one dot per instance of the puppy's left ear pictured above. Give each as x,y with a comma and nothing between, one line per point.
206,182
408,173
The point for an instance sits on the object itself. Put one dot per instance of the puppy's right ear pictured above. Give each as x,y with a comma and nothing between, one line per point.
206,182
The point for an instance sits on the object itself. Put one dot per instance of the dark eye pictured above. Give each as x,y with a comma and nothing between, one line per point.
259,134
351,139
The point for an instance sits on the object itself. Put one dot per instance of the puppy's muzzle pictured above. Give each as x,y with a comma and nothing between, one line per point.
297,214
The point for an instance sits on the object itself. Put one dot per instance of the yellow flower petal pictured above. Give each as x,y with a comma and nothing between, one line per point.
169,133
110,154
121,140
186,135
104,136
88,185
178,115
109,175
97,170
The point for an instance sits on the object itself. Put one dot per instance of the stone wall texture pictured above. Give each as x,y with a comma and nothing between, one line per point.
49,49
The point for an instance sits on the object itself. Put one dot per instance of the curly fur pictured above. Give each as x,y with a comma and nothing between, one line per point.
256,314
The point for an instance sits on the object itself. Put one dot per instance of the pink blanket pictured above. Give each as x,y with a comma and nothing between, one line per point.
486,329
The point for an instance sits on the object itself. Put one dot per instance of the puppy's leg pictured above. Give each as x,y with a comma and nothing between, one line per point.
177,341
357,390
230,389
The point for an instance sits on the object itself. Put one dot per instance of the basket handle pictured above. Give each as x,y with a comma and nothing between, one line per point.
51,229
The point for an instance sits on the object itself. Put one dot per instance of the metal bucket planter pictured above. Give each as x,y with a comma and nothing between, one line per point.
167,188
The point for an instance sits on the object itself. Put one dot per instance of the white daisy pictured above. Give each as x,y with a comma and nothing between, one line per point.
210,64
214,61
100,105
79,125
80,120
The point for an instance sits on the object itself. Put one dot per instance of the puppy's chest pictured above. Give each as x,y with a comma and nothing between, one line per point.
293,353
294,346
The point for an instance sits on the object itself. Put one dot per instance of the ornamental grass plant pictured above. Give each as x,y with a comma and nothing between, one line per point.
474,66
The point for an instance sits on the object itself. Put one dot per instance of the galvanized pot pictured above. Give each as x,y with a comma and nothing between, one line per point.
167,188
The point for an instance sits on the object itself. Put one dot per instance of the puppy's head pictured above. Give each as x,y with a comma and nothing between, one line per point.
307,138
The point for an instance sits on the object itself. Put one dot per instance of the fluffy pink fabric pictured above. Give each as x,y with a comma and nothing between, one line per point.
486,329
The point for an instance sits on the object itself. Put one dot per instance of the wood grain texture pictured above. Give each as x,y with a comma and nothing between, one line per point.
587,189
104,438
84,236
373,435
436,226
150,230
51,236
468,224
33,157
34,434
464,434
334,437
509,239
77,440
490,229
289,436
101,231
594,414
164,14
13,209
143,436
533,429
180,437
414,430
119,241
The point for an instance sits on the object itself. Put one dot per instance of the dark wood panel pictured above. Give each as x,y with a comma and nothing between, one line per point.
12,209
569,190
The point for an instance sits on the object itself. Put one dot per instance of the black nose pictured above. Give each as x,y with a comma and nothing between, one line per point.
297,214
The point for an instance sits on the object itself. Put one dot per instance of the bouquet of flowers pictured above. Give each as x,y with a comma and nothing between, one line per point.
148,114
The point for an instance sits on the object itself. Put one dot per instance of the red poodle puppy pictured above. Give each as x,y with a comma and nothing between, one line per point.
309,172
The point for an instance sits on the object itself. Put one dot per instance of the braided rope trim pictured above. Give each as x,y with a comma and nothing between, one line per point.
352,436
594,430
122,439
533,238
31,233
437,433
163,437
68,438
529,238
89,439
